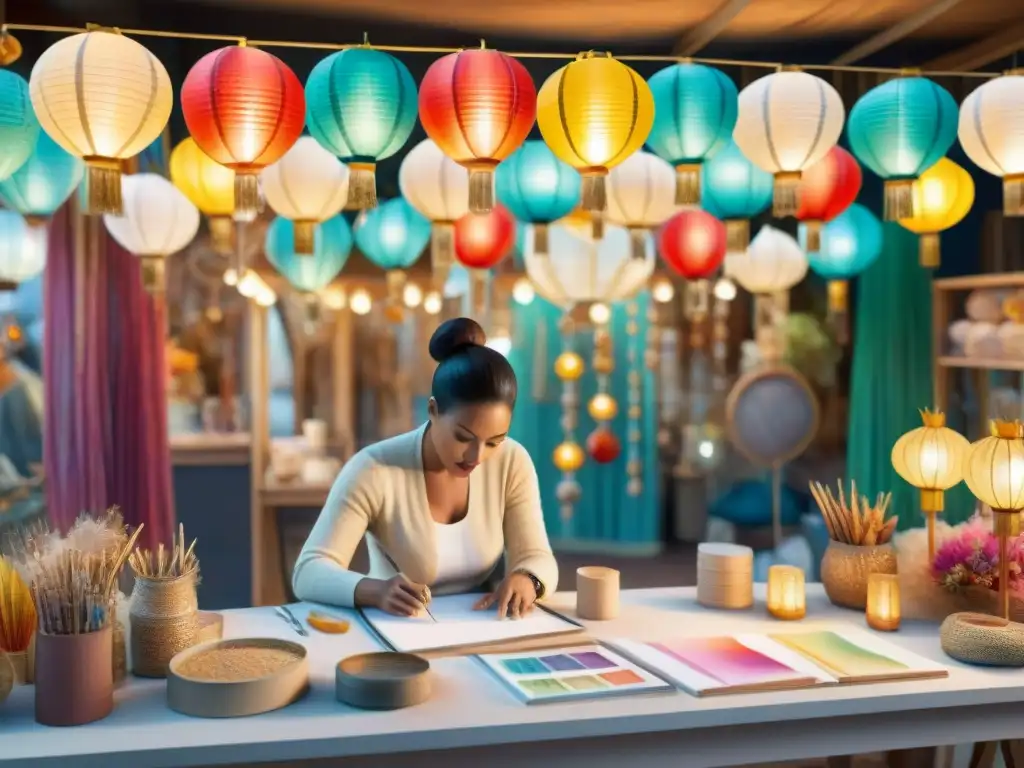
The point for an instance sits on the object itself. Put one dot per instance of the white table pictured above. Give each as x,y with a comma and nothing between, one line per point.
476,723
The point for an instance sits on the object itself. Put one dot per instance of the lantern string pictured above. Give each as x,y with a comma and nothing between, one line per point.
242,40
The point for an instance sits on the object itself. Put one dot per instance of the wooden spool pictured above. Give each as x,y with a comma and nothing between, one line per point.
383,680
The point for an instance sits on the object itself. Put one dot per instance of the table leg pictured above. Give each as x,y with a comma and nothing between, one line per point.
841,761
923,757
983,755
1011,750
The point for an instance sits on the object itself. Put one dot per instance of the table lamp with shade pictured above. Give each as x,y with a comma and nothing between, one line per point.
930,458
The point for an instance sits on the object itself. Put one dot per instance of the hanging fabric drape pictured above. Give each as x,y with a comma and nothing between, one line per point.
892,374
105,382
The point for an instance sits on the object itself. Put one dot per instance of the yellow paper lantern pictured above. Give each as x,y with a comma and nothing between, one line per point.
930,458
943,195
105,98
211,188
994,471
594,113
602,407
568,457
568,366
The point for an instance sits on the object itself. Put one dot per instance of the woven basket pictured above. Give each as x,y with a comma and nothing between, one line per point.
164,621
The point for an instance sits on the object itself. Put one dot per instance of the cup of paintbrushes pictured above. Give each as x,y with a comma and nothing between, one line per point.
75,682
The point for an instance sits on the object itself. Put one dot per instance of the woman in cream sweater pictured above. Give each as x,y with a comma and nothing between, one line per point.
440,505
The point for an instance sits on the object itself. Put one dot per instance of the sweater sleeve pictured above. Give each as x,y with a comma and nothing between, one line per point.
321,572
526,538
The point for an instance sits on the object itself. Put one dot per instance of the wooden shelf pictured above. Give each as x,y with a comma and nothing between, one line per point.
293,495
981,363
974,282
210,449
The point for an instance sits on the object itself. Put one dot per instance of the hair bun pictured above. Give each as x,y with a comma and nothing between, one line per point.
455,335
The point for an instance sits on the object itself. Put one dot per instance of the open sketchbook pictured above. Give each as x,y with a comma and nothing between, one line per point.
572,674
748,663
452,623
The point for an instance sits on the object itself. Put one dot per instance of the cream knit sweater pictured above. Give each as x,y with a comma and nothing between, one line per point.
381,493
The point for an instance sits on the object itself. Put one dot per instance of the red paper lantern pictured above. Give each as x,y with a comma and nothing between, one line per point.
478,106
603,446
244,108
827,189
483,239
693,243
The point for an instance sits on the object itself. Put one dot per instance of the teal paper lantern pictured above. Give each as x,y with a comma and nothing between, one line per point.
22,250
19,127
361,105
735,191
850,243
899,130
332,243
537,188
44,183
393,235
695,110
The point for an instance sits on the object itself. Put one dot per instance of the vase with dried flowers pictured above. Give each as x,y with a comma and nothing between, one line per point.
6,677
17,623
860,543
73,582
164,609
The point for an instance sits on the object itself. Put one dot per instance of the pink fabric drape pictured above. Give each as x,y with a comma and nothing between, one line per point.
104,371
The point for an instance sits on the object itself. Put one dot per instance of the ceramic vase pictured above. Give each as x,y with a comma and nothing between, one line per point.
74,677
845,569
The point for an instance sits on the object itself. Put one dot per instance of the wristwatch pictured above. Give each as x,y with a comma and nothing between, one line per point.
538,585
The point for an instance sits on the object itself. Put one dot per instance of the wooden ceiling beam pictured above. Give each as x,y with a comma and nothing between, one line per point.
698,37
896,32
1004,43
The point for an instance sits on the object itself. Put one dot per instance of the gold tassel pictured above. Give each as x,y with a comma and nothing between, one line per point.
786,194
540,239
362,186
813,231
594,195
8,286
838,310
247,195
899,199
101,189
37,222
222,234
688,184
442,251
481,190
1013,195
395,279
737,235
597,225
311,311
154,274
637,243
304,237
928,250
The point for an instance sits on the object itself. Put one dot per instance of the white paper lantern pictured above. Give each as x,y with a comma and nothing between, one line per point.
773,262
992,134
577,270
308,185
22,250
158,221
641,196
437,187
787,121
102,97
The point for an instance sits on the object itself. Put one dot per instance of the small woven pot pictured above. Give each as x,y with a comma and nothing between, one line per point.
164,618
975,638
6,677
845,569
24,664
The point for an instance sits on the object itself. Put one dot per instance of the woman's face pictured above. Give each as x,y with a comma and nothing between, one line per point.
466,436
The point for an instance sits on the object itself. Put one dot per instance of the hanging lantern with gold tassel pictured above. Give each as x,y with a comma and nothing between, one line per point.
735,191
105,98
641,197
990,132
211,188
943,196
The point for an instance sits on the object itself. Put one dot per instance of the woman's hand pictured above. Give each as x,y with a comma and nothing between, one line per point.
398,596
515,597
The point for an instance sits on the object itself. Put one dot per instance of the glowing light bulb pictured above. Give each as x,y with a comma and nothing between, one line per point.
412,295
500,342
662,291
230,277
599,313
360,302
522,292
432,303
249,284
725,289
266,296
706,449
334,298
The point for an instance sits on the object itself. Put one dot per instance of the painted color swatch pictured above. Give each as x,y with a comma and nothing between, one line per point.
837,653
726,660
622,677
524,666
593,660
543,686
560,663
585,683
